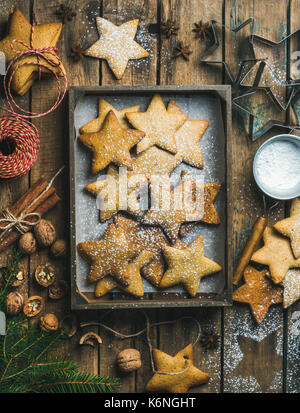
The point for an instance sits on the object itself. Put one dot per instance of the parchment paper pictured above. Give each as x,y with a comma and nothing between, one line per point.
212,144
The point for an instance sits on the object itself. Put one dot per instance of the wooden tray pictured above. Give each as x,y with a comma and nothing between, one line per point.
86,300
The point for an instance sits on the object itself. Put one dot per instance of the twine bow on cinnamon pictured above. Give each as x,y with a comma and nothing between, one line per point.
21,223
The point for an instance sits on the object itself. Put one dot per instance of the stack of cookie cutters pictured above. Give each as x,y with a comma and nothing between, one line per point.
245,66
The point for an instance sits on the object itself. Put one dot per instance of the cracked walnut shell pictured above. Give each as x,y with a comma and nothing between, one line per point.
45,275
45,233
33,306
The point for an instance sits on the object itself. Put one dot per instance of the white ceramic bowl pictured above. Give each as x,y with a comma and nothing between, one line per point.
291,191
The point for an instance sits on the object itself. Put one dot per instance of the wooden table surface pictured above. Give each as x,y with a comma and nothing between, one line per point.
250,358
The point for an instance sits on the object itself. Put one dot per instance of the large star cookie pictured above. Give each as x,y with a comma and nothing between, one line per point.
291,285
135,287
187,138
116,45
187,266
111,144
44,35
146,238
109,255
258,291
158,125
115,195
170,216
103,108
277,254
183,362
290,227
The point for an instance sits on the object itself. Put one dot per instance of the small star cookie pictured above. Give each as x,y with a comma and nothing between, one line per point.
111,144
183,361
171,216
135,287
187,266
146,238
291,285
44,35
258,291
187,138
114,195
103,108
116,45
109,255
158,125
277,254
290,227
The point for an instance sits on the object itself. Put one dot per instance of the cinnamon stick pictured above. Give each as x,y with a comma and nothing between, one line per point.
41,209
251,244
26,199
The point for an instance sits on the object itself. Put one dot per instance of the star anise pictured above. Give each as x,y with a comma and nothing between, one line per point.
77,53
168,28
202,29
182,50
209,339
66,13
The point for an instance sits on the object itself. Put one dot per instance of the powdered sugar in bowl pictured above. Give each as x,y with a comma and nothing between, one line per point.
276,167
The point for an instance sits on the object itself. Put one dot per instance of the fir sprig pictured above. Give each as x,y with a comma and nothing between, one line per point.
25,366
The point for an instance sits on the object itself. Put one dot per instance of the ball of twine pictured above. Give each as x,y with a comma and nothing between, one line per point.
25,138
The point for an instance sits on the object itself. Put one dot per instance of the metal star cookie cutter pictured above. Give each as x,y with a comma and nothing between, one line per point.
272,123
263,66
235,80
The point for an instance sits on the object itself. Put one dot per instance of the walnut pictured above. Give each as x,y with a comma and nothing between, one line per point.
45,233
20,276
49,322
27,243
57,291
90,339
59,248
14,303
33,306
129,360
45,275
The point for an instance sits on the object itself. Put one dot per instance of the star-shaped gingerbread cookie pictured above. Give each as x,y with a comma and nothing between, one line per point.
135,287
187,266
159,125
258,291
115,196
291,287
103,108
187,138
277,254
109,256
180,209
44,35
116,45
111,144
183,362
290,227
146,238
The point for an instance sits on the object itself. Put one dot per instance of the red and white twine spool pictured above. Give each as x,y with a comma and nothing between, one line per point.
15,127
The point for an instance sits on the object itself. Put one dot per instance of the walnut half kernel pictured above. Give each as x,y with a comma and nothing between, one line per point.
45,275
33,306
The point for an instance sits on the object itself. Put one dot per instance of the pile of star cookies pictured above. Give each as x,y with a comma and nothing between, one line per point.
148,244
281,254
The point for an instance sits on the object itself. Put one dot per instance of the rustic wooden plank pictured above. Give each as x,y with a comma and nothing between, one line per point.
11,190
185,14
53,130
180,71
293,312
138,72
248,348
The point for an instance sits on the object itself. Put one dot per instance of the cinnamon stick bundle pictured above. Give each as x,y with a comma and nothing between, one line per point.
37,199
